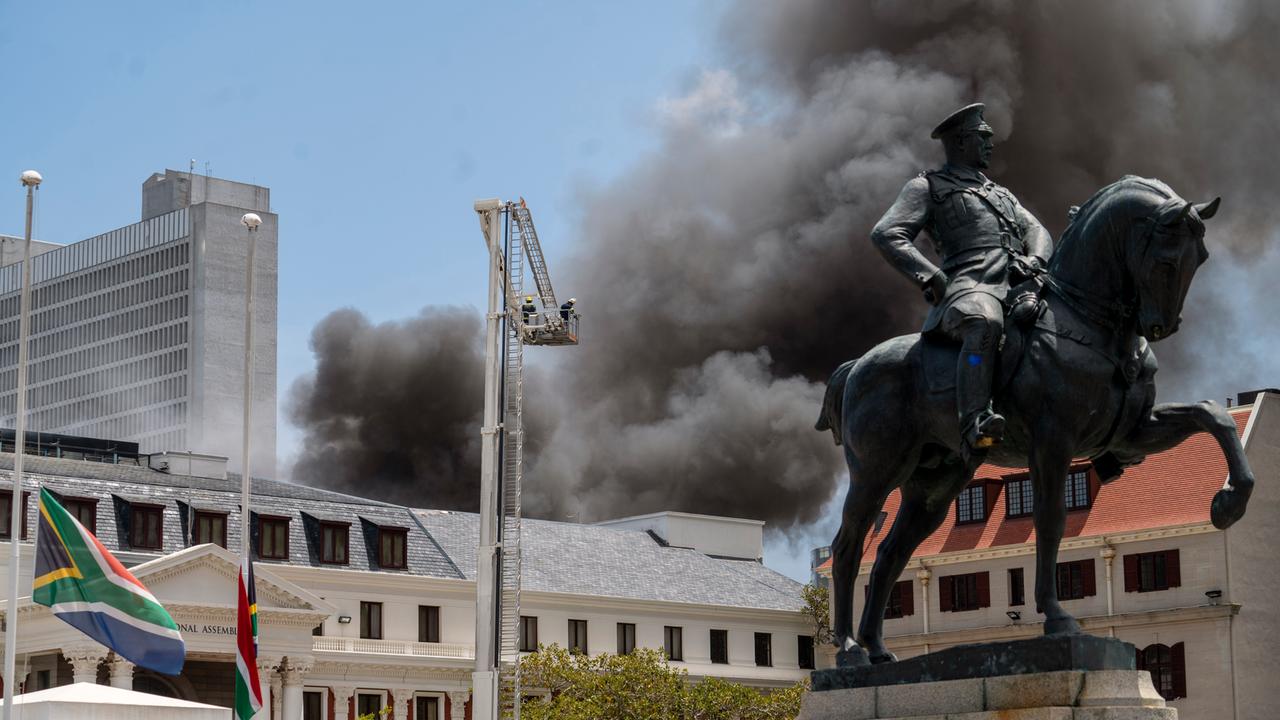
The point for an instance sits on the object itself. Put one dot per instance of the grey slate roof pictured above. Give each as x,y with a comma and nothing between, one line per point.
610,562
113,486
557,557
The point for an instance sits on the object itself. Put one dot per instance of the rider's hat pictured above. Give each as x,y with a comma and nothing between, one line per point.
966,119
528,298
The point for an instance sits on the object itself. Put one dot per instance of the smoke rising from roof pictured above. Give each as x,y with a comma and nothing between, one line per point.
726,275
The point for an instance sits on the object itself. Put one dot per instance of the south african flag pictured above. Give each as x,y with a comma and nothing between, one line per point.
90,590
248,690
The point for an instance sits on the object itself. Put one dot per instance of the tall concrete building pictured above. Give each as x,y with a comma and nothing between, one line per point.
138,334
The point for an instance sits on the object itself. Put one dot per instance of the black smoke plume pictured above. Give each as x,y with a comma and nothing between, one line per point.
727,274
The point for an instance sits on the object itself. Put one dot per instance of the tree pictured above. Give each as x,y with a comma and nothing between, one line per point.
817,608
559,685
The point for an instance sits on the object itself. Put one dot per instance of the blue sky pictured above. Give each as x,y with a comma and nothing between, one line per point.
374,125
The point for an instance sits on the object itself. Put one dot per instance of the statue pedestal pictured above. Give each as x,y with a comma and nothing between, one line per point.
1077,677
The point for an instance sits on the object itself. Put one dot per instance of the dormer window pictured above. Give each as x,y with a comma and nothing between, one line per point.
146,527
334,543
392,543
273,537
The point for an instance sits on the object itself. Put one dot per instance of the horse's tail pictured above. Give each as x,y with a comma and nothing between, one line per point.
833,403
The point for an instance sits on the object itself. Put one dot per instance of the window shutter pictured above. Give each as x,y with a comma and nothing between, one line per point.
989,494
1172,568
907,597
946,590
1178,665
1130,573
1090,581
984,589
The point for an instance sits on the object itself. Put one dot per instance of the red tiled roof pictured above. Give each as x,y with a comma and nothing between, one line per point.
1172,488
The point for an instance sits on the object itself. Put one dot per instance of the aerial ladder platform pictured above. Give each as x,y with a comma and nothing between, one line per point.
511,323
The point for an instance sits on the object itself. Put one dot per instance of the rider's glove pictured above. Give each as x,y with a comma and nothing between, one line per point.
935,288
1026,266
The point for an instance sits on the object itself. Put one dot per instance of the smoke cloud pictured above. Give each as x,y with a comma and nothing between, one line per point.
393,410
726,275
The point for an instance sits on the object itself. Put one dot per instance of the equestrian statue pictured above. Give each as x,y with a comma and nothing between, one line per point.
1031,356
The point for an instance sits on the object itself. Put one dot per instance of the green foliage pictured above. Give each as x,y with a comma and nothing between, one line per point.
639,686
376,715
817,608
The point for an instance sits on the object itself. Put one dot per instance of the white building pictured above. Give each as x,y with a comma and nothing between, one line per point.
364,604
1140,561
138,334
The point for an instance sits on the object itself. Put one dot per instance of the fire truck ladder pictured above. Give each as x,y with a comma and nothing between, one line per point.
510,480
513,244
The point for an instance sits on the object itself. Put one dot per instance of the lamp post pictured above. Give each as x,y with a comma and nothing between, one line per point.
250,221
30,180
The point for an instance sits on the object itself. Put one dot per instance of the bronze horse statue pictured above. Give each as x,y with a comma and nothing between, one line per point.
1078,383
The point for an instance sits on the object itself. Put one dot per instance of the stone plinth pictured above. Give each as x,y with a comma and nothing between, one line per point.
1055,678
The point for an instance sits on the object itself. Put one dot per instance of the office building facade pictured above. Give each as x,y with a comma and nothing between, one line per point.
138,334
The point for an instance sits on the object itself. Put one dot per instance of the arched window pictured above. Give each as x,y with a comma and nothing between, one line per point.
1168,669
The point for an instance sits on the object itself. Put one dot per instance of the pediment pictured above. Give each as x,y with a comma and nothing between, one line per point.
206,575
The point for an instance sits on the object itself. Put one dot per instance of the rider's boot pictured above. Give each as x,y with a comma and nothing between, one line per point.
980,426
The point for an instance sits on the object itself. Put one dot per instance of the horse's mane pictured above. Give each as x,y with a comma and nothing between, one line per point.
1128,189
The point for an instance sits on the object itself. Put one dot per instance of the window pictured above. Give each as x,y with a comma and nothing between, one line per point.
313,705
1148,572
6,513
971,506
211,528
578,636
1016,594
626,638
1076,580
273,534
720,647
528,634
804,651
901,600
958,593
371,620
369,704
428,623
1168,668
391,544
1018,496
673,642
764,650
83,509
146,529
334,543
1078,489
426,708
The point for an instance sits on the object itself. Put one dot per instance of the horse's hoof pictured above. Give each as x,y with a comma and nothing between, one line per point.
883,656
851,654
1228,507
1065,625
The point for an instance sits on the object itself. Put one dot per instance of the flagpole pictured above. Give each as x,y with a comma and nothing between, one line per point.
250,221
30,180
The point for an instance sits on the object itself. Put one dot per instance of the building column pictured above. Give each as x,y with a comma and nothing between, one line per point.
924,575
121,672
266,678
84,661
277,685
342,694
458,704
295,673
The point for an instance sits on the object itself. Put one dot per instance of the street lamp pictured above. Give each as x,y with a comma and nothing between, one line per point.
30,180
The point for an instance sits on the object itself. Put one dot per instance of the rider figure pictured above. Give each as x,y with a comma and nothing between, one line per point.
987,241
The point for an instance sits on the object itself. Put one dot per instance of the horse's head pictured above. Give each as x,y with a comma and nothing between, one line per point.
1163,260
